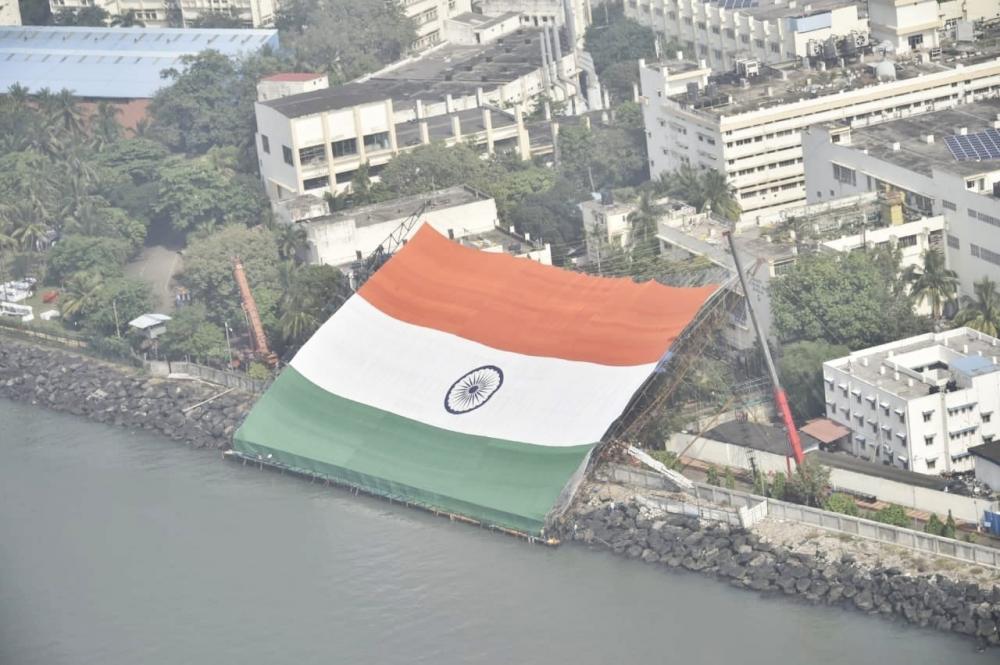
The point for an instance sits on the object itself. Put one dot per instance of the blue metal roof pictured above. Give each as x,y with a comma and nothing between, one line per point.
118,63
974,365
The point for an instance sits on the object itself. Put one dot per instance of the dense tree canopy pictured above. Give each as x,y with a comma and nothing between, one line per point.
855,299
79,253
801,369
191,335
344,38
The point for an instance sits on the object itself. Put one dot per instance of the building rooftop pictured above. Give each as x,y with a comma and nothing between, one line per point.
914,153
450,69
403,207
481,21
925,364
988,451
113,63
770,10
784,83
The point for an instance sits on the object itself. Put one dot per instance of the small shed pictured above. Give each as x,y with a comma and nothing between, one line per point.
829,434
150,325
987,463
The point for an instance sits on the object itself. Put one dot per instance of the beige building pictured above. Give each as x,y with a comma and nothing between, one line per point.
10,13
430,18
315,142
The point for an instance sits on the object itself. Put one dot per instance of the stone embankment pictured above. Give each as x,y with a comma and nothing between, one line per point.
117,395
637,530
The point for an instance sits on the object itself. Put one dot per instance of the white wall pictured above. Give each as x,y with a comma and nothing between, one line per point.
10,13
988,472
336,243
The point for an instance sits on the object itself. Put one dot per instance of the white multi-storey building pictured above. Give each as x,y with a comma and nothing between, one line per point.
911,157
315,142
771,31
750,127
430,18
919,403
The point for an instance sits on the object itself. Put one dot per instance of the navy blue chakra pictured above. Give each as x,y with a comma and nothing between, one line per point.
473,389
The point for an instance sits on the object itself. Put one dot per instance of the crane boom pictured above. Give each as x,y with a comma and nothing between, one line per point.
366,268
260,347
780,398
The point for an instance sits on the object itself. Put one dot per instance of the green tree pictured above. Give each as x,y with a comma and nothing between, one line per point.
190,334
344,39
801,370
610,156
209,102
809,485
622,41
729,480
982,312
778,484
35,12
313,294
127,20
139,159
855,299
712,476
118,301
932,282
208,273
68,113
81,295
949,528
892,514
104,125
292,241
217,19
934,525
74,254
841,503
92,17
430,167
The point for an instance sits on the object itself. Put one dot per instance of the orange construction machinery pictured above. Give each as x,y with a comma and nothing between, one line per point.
260,348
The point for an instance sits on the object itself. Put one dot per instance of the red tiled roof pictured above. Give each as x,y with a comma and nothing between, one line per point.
824,430
292,76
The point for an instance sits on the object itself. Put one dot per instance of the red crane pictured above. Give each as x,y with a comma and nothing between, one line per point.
780,398
257,334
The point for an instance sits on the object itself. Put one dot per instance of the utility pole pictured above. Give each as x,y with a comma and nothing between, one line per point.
780,398
118,328
229,348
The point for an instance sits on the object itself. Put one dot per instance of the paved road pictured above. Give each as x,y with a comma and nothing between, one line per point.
157,265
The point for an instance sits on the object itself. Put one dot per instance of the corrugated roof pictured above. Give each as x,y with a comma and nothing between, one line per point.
116,63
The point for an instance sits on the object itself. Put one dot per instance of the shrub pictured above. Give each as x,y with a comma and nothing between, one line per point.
841,503
892,514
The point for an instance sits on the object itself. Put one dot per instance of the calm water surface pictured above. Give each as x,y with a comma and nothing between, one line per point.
123,548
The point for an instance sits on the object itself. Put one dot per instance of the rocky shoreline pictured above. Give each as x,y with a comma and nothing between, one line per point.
117,395
637,530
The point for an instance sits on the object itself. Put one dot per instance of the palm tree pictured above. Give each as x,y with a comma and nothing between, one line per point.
933,282
297,321
719,194
127,20
67,112
292,241
17,96
104,125
25,218
982,312
81,294
644,219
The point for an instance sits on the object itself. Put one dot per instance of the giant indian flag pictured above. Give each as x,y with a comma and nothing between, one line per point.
468,382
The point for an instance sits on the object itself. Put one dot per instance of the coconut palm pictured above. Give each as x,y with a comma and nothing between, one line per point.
82,292
643,220
297,322
25,219
17,96
932,282
982,312
718,194
292,241
67,112
104,125
127,20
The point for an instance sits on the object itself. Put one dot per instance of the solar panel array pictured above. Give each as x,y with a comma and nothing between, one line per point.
736,4
975,147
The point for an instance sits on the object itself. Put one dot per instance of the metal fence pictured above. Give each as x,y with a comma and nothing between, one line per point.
26,333
218,376
823,519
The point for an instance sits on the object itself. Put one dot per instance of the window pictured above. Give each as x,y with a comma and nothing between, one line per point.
345,176
316,183
743,38
344,148
954,242
775,47
929,440
927,416
286,152
987,417
378,141
931,464
715,29
949,205
844,175
759,43
908,241
265,143
312,155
